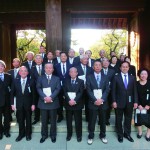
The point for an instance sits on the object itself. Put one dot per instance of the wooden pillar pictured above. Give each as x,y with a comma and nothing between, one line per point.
53,25
5,44
66,32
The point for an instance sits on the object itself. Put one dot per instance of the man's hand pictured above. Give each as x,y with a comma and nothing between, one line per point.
13,107
140,107
135,105
114,105
48,100
33,107
72,102
147,107
98,102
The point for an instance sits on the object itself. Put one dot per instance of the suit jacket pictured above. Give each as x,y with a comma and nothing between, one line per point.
34,73
27,65
69,61
55,61
78,88
76,61
91,84
59,73
122,96
11,72
89,70
25,100
92,62
5,88
55,88
115,68
132,70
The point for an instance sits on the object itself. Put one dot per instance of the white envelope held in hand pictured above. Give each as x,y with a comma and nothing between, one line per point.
47,91
98,93
72,95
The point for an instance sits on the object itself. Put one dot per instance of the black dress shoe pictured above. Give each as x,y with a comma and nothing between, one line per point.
68,138
43,139
147,138
79,139
53,139
120,139
1,136
107,123
139,136
28,137
34,122
128,137
60,118
19,138
7,134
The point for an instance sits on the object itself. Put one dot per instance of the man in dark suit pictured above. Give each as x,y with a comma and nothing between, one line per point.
71,57
90,60
50,57
23,89
15,71
37,71
102,55
83,71
110,75
30,62
57,57
97,103
62,71
42,51
74,105
124,96
76,61
5,107
48,87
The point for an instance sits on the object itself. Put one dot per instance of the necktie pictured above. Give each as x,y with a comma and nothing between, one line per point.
84,70
23,86
64,70
29,64
15,73
72,82
125,81
39,71
105,72
1,77
48,78
98,81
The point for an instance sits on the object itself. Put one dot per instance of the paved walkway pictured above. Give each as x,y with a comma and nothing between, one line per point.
61,144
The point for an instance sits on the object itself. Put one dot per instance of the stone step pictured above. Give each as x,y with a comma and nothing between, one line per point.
62,128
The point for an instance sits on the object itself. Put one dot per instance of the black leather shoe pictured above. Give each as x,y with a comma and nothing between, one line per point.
147,138
139,136
34,122
19,138
68,138
7,134
120,139
28,137
53,139
60,118
107,123
42,140
1,136
79,139
128,137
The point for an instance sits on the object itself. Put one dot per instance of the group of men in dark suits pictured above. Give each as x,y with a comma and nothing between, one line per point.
46,84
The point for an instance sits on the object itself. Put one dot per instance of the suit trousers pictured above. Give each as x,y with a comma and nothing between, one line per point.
85,100
127,112
92,121
37,110
61,103
78,122
5,111
44,117
24,120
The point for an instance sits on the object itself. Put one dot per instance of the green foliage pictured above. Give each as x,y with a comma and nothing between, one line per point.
114,40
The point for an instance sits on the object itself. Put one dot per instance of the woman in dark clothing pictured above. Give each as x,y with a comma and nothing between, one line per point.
113,64
143,89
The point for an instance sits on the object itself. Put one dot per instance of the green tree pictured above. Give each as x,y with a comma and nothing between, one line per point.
114,40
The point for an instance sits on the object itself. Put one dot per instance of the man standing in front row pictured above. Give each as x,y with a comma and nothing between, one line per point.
124,97
98,90
48,87
24,89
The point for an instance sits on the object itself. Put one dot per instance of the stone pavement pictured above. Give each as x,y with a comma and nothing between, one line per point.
61,144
